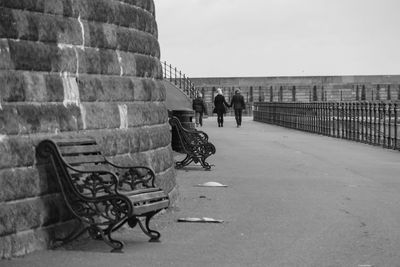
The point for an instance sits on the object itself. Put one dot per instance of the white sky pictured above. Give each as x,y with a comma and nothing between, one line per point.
230,38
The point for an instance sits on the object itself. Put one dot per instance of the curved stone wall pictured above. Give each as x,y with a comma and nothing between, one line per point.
69,67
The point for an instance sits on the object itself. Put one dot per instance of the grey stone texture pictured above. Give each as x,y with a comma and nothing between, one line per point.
75,68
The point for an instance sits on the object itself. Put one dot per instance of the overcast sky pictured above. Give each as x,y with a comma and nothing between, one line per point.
230,38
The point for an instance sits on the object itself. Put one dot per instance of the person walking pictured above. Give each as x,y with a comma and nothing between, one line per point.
199,108
220,106
238,105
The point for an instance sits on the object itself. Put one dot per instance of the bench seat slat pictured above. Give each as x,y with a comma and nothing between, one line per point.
84,159
139,210
79,149
147,196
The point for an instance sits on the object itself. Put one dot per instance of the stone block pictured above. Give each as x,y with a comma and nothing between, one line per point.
8,27
65,60
56,29
136,114
142,90
54,7
160,113
54,88
161,159
98,61
25,182
100,35
137,42
160,136
144,4
22,243
89,61
105,88
101,115
33,56
136,159
166,180
109,62
34,86
13,86
30,86
116,141
5,57
16,151
57,7
32,213
26,25
128,63
27,119
96,10
128,16
154,90
147,66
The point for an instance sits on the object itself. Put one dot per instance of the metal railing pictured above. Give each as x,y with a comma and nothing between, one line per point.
375,123
179,79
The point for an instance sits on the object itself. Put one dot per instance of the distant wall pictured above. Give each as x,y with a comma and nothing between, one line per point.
304,89
87,67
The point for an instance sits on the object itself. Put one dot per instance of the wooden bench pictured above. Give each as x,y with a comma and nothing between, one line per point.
101,194
193,143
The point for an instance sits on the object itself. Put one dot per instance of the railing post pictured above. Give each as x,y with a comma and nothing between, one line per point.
389,125
395,125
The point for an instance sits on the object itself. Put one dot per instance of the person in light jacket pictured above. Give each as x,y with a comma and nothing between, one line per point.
199,108
220,106
238,105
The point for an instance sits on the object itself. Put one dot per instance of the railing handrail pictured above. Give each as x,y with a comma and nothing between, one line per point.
179,79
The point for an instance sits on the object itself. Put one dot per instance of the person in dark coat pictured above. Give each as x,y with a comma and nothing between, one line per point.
238,105
220,106
199,108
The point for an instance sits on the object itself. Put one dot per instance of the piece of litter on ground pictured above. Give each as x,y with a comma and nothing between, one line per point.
200,220
212,184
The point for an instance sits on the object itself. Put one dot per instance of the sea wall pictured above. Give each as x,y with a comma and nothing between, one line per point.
303,88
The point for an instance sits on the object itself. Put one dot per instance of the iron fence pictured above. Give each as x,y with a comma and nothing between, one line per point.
375,123
179,79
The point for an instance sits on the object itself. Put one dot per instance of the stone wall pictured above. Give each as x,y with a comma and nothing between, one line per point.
73,68
304,89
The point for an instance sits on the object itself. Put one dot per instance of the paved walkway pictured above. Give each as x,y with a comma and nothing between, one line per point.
293,199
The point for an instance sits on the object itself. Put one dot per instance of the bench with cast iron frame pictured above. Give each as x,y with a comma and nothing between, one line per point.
101,194
193,143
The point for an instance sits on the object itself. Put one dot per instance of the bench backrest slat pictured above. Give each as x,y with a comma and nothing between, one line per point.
71,150
75,141
81,159
78,151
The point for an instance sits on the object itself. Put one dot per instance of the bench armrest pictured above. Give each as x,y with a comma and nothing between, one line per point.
134,176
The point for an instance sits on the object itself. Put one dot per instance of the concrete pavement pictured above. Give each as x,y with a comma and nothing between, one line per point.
293,199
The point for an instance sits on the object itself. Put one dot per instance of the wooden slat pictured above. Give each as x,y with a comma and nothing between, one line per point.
138,210
79,149
84,159
75,141
147,196
141,191
93,168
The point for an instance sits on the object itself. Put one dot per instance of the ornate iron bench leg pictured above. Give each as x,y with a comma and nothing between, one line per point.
115,244
205,164
183,163
154,235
